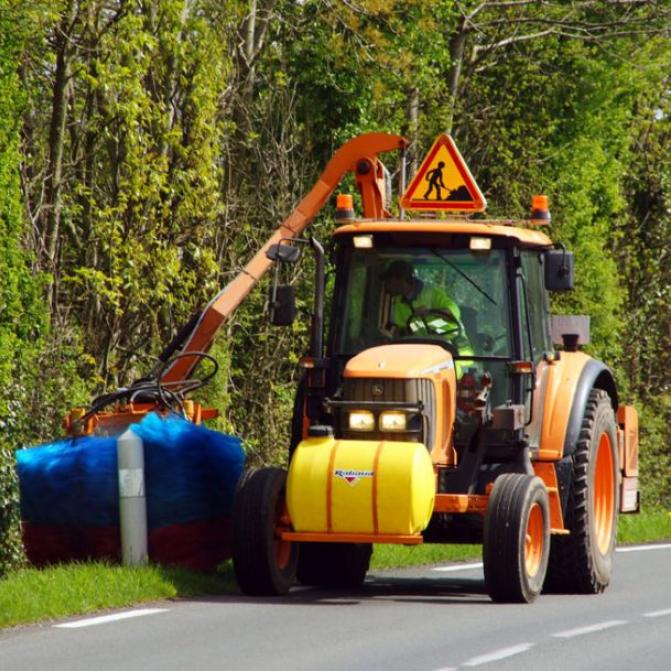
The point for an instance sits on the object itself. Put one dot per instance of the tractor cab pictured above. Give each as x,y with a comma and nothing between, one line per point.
472,293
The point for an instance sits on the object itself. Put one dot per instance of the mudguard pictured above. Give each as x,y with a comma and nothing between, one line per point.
570,380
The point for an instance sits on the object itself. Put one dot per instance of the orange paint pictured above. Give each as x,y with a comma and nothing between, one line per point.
406,361
461,503
562,382
548,474
493,228
313,537
409,361
604,492
627,418
444,168
329,488
376,465
533,545
229,298
281,547
122,416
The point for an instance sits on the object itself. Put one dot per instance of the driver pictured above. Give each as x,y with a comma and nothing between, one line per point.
412,297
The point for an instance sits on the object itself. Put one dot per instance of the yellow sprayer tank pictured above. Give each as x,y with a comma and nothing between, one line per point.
360,486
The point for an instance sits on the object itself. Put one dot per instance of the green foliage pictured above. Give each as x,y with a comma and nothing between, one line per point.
163,141
10,543
655,458
21,317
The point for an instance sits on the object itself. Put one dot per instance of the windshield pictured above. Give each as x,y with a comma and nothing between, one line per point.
456,296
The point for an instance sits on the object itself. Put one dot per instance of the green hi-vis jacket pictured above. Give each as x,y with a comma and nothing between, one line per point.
432,298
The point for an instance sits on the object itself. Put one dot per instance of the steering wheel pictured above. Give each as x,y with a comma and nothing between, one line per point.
434,321
488,343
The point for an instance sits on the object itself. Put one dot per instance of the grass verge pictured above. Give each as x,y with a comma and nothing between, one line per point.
649,526
33,595
395,556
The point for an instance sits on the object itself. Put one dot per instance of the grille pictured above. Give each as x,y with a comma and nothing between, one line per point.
393,390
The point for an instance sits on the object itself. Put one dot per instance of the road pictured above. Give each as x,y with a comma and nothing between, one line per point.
426,619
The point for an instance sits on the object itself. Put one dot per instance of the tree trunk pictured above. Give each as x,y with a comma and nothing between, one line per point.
56,143
413,127
457,46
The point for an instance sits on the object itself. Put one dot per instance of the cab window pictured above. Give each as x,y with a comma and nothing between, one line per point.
453,295
537,340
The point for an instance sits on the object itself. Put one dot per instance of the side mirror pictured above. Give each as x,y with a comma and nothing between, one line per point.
558,270
282,305
283,253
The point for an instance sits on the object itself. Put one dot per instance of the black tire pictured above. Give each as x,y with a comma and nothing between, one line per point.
335,565
263,564
516,538
582,562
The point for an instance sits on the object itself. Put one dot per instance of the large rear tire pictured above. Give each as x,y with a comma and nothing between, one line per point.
582,562
516,538
336,565
264,564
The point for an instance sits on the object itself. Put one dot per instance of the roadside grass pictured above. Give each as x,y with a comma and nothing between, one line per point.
647,527
395,556
33,595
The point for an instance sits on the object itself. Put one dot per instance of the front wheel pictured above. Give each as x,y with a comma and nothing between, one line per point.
264,564
516,538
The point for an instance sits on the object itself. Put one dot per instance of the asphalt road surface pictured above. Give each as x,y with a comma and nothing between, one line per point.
426,619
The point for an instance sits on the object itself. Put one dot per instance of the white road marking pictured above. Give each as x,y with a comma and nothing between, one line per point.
104,619
503,653
643,548
658,613
458,567
581,631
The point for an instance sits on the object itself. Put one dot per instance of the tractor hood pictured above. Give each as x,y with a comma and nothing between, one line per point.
399,361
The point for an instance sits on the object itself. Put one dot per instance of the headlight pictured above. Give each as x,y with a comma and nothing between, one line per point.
393,420
361,420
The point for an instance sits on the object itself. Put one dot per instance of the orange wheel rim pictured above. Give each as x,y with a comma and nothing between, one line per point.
282,549
282,552
604,493
533,543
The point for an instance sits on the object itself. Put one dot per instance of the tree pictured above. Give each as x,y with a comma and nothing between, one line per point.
21,315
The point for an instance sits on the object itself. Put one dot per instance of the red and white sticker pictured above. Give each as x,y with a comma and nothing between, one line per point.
351,477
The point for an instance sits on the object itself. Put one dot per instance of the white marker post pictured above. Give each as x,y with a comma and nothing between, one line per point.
132,501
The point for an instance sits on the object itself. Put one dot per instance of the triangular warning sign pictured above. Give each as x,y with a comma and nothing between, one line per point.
444,182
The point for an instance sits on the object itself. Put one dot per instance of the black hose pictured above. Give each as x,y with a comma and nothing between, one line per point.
167,395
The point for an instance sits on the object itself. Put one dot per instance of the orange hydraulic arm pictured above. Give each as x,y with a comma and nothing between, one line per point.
359,155
113,412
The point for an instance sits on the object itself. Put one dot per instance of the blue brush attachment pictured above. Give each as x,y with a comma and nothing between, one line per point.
190,471
70,482
190,475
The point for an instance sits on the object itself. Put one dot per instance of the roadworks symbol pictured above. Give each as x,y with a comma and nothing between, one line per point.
351,477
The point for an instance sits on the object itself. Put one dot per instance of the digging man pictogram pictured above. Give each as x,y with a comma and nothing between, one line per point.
435,179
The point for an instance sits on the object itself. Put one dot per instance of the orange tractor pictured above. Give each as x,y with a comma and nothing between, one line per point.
435,407
438,410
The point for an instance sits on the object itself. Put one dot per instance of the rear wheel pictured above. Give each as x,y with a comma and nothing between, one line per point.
264,564
336,565
516,538
582,562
